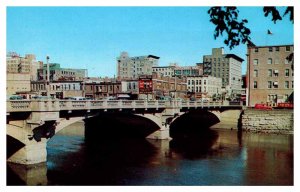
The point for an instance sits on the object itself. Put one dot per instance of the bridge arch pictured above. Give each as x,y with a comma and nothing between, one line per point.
17,131
63,122
193,122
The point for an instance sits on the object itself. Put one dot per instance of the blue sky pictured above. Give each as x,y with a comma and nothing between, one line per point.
92,37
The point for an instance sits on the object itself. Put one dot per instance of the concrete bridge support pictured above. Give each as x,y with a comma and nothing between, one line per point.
228,119
163,121
33,133
33,151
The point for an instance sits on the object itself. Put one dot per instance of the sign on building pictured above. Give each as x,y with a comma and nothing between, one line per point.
145,84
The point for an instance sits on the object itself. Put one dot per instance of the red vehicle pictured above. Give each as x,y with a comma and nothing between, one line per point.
285,105
262,106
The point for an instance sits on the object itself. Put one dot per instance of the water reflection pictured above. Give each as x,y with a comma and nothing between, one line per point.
196,146
27,174
216,157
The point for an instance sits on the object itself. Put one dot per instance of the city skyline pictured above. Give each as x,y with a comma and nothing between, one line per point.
92,37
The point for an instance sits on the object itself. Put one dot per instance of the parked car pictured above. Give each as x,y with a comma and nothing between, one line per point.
109,98
165,98
192,99
41,97
79,98
262,106
204,100
14,97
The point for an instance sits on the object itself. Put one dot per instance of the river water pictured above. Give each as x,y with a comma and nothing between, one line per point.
221,158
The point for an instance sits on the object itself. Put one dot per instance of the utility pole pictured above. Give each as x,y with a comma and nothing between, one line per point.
48,77
83,83
175,88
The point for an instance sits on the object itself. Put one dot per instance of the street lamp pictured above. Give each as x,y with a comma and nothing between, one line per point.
48,76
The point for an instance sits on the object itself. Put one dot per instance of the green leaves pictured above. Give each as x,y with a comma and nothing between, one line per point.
226,19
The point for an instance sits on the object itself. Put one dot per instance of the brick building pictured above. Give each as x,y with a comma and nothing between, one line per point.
270,75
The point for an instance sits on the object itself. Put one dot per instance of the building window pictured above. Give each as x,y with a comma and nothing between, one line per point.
270,49
255,84
256,50
269,84
286,85
275,73
286,61
287,72
255,62
292,84
269,61
189,82
277,48
255,73
270,72
287,48
275,84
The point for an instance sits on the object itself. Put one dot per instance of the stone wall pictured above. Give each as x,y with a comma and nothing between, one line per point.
268,121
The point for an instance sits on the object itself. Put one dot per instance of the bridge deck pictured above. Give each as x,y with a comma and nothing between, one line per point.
62,105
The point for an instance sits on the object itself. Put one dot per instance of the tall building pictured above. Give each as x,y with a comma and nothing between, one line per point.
19,72
132,67
225,66
270,75
20,65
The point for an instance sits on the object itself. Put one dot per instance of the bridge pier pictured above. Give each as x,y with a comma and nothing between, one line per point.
34,137
33,152
163,120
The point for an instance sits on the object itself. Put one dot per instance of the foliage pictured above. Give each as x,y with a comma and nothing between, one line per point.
226,20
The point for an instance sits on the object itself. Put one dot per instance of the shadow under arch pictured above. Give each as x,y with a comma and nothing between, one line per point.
118,125
193,123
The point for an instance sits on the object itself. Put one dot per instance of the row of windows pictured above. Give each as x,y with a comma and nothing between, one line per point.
197,82
215,59
270,61
197,89
274,73
160,69
271,49
274,84
55,87
205,89
67,72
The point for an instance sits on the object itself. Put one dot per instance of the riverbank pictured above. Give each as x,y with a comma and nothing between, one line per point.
279,121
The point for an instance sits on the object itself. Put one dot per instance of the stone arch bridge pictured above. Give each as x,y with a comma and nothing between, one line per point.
32,123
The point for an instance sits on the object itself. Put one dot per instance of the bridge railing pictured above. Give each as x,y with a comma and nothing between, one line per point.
32,105
18,105
58,105
199,104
